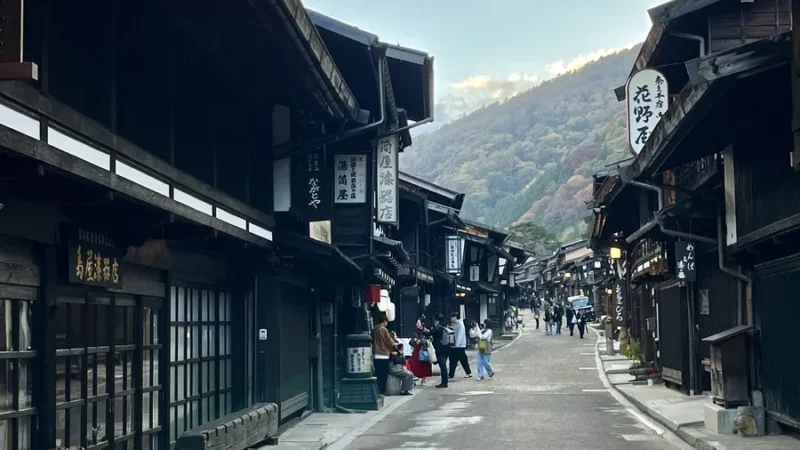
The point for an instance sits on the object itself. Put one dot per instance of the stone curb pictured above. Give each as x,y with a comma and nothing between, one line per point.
678,431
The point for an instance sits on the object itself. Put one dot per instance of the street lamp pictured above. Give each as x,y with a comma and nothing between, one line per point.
567,275
609,291
615,253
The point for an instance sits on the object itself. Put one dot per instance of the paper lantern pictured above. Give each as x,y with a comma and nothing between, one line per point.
390,312
372,293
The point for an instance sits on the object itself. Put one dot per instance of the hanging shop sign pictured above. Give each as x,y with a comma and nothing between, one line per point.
453,254
350,183
685,268
94,258
474,273
619,303
386,169
314,186
646,100
320,231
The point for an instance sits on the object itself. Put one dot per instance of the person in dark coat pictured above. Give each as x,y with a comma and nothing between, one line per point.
442,351
570,315
581,324
558,317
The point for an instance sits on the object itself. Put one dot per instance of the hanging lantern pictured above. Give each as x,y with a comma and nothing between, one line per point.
372,293
390,312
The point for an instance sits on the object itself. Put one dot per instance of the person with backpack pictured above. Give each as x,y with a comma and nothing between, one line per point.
458,353
443,338
485,351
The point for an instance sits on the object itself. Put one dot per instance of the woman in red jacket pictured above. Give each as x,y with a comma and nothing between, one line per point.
420,363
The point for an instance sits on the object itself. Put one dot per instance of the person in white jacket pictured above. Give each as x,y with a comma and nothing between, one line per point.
459,351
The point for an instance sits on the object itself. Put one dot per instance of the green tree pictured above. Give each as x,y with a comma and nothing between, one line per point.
535,237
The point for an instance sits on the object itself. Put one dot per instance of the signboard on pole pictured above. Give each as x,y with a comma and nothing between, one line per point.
646,101
386,168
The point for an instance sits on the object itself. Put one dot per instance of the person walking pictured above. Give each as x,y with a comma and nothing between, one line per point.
581,324
441,343
537,305
383,349
558,317
548,321
420,362
485,351
458,354
570,323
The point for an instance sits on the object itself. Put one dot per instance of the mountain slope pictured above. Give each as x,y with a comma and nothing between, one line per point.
531,158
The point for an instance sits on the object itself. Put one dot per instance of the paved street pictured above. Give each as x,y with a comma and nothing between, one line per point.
546,394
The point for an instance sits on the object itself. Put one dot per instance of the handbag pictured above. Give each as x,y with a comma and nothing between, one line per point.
483,344
424,355
574,319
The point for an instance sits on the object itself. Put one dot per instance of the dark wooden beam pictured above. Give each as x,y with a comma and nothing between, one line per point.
65,162
677,8
72,120
796,83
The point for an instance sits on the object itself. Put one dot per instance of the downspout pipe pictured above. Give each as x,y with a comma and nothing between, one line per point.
660,220
692,37
743,317
327,140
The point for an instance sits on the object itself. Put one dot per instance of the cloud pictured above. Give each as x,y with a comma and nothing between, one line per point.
561,67
478,91
472,83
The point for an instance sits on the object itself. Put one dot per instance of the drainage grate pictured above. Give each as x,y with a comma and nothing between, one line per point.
639,437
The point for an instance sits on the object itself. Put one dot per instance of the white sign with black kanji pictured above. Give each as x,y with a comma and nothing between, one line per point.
647,100
350,179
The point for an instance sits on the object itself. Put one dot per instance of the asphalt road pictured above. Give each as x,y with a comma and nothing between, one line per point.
546,394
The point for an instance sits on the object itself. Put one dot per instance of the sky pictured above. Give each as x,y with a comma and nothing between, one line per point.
489,50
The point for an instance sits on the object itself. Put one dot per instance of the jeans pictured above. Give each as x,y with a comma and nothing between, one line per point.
484,360
459,355
571,328
443,355
548,329
581,328
558,327
382,374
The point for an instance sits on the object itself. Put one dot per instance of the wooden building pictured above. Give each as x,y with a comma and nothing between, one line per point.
429,215
160,272
706,211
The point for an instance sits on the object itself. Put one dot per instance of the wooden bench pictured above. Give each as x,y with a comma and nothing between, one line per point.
237,431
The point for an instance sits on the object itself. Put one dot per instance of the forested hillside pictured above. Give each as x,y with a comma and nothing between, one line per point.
532,157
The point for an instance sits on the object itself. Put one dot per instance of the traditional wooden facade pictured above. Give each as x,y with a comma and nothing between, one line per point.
429,214
157,278
710,242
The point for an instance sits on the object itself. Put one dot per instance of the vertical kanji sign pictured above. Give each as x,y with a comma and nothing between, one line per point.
386,170
647,100
314,185
350,179
685,268
453,254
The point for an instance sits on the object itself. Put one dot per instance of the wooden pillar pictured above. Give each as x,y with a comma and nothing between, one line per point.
795,158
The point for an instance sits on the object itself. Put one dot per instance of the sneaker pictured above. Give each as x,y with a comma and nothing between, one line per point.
441,386
491,375
406,393
469,375
479,378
